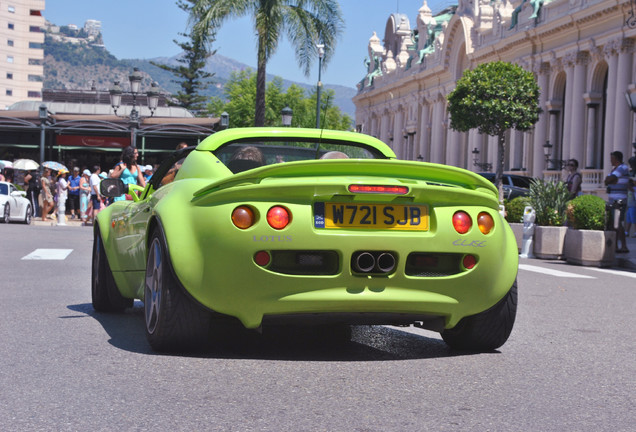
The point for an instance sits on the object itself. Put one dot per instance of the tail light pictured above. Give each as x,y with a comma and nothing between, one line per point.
462,222
485,222
469,262
243,217
278,217
379,189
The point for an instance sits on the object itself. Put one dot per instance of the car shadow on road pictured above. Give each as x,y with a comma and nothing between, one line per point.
362,343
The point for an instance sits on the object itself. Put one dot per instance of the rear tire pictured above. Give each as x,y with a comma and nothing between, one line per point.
6,212
174,321
27,216
485,331
106,297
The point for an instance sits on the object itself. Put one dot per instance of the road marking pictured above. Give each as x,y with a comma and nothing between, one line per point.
48,254
552,272
614,272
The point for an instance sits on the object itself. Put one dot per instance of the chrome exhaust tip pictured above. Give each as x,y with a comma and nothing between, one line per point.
363,262
385,262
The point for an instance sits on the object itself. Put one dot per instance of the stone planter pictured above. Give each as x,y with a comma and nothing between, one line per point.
590,247
517,229
549,241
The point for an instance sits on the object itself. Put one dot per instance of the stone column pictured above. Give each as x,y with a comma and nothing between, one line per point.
398,132
610,51
622,114
516,149
573,147
384,128
592,101
424,135
568,104
541,128
438,132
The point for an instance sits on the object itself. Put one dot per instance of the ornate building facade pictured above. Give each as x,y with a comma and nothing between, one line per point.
580,51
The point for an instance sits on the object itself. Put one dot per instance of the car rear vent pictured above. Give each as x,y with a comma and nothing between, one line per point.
427,264
305,262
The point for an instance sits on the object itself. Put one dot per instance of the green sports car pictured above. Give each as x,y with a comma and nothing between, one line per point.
306,227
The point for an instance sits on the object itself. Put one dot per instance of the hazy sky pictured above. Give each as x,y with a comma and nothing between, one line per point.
146,29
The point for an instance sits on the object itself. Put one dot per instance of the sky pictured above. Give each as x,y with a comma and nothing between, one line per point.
145,29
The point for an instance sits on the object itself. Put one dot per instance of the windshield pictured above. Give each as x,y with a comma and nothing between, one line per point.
248,154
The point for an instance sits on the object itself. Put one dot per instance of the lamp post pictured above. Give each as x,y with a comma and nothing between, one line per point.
286,116
484,166
321,53
152,95
43,115
225,120
547,151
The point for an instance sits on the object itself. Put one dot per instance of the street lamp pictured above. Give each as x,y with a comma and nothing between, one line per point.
484,166
225,120
321,53
547,151
153,97
286,116
135,83
135,79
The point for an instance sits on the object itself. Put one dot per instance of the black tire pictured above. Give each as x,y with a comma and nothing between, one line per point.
485,331
27,216
6,212
106,296
174,321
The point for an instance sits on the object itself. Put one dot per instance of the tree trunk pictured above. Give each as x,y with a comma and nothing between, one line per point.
259,112
501,142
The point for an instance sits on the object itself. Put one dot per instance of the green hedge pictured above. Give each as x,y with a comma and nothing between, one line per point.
586,212
515,208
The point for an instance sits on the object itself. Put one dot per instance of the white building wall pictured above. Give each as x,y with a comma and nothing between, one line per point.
581,52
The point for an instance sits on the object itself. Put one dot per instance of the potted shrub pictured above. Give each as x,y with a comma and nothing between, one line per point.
586,242
549,200
514,216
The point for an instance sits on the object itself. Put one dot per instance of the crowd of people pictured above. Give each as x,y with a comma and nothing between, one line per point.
76,195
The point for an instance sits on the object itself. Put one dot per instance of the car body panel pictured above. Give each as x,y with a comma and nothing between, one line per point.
214,260
17,201
513,185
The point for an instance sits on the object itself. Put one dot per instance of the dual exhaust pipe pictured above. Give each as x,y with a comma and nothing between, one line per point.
373,262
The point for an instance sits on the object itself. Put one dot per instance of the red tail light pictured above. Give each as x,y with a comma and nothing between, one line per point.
278,217
462,222
394,190
469,261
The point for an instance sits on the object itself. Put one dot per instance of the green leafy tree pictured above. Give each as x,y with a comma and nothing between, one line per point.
493,98
191,75
240,94
304,22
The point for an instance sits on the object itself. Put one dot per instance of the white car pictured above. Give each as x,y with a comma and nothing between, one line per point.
13,204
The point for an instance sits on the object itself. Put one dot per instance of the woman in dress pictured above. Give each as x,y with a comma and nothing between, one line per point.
45,192
128,170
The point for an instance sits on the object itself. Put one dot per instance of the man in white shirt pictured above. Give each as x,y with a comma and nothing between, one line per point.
616,183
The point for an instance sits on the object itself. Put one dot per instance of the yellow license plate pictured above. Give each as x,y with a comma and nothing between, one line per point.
371,216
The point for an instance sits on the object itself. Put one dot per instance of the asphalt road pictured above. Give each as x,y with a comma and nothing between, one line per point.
569,364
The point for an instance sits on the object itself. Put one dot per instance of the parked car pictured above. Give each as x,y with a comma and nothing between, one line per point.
304,226
13,204
513,185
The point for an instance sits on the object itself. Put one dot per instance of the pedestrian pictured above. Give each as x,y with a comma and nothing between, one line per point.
96,197
73,201
48,203
85,195
128,170
630,216
62,195
574,179
33,191
617,182
148,172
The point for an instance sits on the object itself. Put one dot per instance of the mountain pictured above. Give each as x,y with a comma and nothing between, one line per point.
85,65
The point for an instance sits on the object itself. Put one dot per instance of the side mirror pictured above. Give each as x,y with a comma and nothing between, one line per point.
112,187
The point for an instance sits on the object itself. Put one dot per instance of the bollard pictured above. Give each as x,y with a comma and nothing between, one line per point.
529,216
61,213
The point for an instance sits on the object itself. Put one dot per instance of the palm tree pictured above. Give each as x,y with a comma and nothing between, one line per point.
305,22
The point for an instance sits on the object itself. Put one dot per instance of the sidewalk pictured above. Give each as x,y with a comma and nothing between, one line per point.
626,261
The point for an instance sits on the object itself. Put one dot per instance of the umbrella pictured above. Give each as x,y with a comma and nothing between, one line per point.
25,164
55,166
6,164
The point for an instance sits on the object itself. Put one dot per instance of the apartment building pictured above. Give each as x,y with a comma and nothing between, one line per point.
21,51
